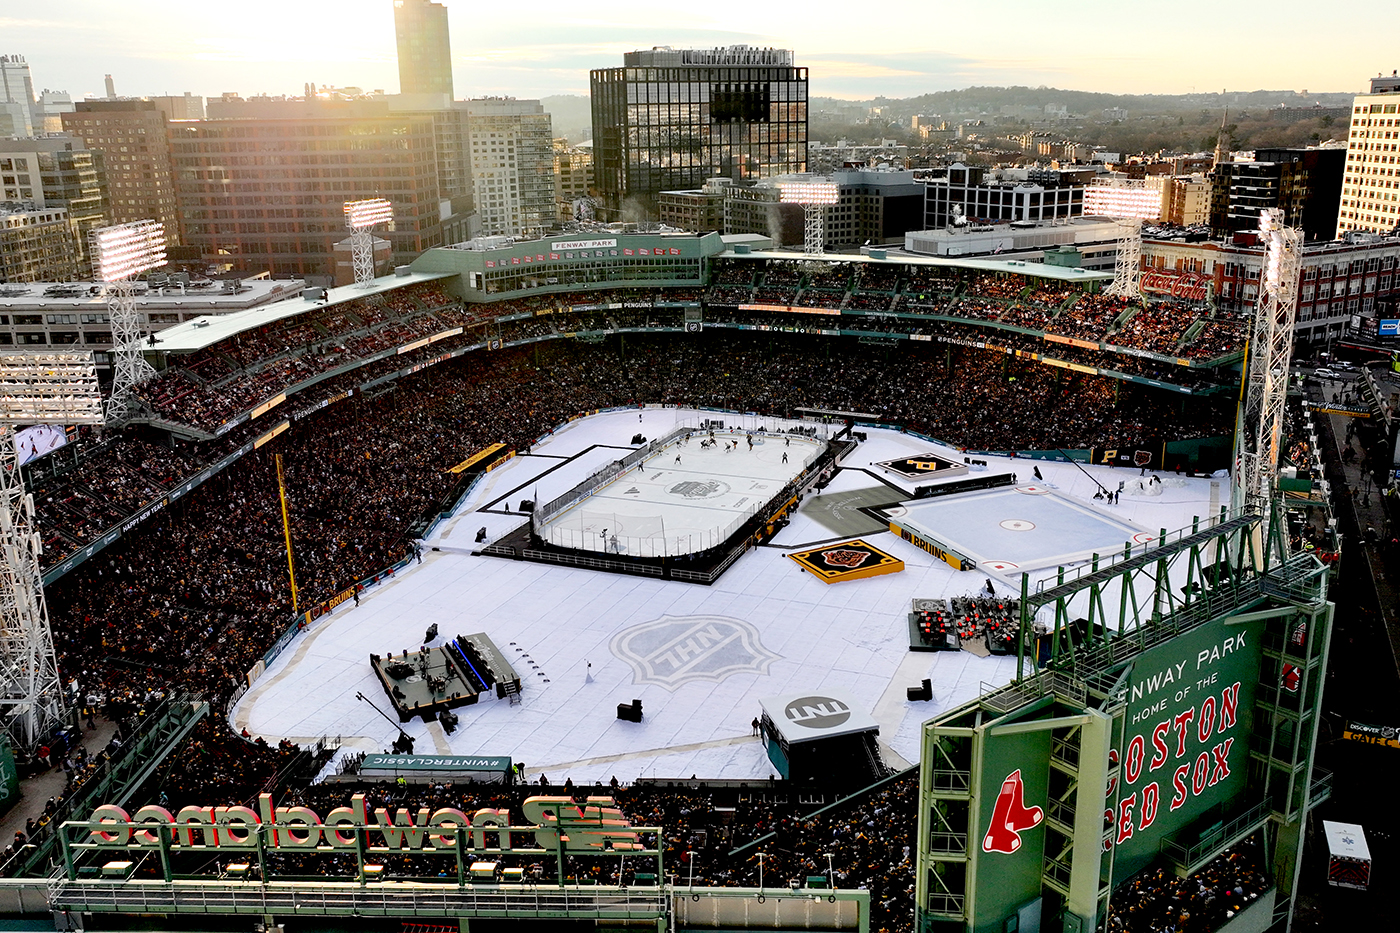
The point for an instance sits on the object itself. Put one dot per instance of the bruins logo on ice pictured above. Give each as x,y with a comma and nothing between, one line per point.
675,650
845,557
850,560
695,489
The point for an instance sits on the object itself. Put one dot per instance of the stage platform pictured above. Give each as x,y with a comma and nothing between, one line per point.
699,658
429,681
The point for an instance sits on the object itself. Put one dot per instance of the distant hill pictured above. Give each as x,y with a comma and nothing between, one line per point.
993,100
571,116
573,119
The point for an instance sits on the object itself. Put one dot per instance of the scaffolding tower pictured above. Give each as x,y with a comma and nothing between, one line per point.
362,217
119,254
129,366
1127,271
815,194
1270,356
50,388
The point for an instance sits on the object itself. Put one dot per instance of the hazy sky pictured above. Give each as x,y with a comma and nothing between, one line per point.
854,50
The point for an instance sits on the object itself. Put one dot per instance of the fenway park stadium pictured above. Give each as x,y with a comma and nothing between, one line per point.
651,581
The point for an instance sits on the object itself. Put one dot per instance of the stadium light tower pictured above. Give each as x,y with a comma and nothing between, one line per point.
361,217
119,254
1270,355
1127,271
815,197
36,387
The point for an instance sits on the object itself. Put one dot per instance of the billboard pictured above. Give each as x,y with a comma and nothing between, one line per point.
1183,737
1388,327
1011,833
33,443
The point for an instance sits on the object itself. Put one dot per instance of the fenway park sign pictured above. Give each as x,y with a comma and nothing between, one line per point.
558,823
1191,286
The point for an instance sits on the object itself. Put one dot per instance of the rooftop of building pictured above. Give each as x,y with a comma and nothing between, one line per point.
664,56
894,255
51,142
1386,84
206,295
18,214
1248,241
207,330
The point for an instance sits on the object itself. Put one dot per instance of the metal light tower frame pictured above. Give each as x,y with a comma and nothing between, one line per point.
1270,355
361,217
1127,271
36,387
815,196
119,254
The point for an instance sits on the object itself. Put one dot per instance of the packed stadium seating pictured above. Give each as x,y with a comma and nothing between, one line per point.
193,597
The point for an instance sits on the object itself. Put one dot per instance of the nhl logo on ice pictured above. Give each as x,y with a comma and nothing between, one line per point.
675,650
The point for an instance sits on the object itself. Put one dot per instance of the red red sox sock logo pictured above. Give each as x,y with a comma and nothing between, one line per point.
1010,816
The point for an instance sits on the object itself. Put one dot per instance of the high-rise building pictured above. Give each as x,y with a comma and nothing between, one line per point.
37,245
1370,188
671,119
573,177
263,183
131,135
425,52
452,144
57,172
1303,183
512,150
16,97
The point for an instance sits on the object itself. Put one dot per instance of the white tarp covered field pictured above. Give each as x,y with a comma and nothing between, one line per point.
699,658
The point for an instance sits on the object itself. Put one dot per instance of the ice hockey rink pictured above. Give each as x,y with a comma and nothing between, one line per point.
689,496
584,641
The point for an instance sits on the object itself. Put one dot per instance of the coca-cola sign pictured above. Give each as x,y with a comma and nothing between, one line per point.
1188,285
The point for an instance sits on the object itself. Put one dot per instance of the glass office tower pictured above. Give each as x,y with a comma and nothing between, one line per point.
669,119
425,53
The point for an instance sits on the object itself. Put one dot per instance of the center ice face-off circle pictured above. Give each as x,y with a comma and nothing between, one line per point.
1017,524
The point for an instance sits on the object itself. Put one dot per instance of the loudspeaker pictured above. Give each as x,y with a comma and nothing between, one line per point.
527,505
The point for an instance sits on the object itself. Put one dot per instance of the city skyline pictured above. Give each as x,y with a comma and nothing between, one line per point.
276,48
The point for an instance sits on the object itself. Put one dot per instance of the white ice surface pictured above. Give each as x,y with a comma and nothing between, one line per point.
554,622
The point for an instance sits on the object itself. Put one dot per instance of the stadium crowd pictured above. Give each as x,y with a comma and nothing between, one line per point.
192,598
1157,901
209,388
131,471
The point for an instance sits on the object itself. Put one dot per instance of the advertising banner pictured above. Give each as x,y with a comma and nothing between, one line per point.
1184,741
1192,286
1011,828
